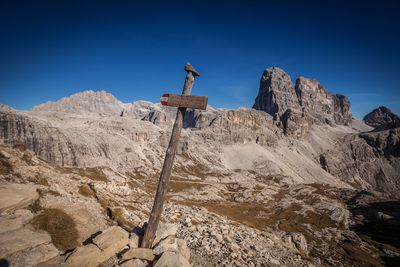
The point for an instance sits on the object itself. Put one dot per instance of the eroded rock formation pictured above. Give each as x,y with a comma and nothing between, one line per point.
277,94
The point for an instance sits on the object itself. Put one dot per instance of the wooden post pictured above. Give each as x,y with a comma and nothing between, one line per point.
162,188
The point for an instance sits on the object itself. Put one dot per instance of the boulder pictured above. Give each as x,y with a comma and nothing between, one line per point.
107,244
21,239
163,231
172,244
172,259
111,241
33,256
296,240
86,256
134,240
138,253
133,263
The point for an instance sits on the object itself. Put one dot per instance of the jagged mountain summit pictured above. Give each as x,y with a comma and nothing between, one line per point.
291,182
382,118
277,94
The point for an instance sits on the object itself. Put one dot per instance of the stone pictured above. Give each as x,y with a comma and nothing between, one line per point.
111,241
138,253
86,256
133,263
134,240
16,196
17,240
174,245
172,259
183,249
15,220
297,240
33,256
219,238
114,236
163,231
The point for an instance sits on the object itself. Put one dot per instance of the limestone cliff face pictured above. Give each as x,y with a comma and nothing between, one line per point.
277,94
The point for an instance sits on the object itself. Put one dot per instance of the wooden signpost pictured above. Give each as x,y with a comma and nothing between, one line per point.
183,102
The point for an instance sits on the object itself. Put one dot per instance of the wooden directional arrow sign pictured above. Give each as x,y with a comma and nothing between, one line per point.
184,101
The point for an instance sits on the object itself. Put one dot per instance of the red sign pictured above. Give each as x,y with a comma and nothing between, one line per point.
164,99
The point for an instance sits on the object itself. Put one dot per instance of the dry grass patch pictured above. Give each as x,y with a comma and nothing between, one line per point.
86,191
38,179
35,206
118,216
60,226
95,174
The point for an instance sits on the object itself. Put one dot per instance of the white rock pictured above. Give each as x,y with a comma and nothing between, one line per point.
172,259
163,231
172,244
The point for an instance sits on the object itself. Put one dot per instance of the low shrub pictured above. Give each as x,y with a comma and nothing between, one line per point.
60,226
86,191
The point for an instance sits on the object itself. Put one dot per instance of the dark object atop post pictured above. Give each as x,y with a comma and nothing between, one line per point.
168,163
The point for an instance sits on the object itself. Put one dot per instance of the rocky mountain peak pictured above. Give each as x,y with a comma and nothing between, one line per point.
382,118
277,94
87,102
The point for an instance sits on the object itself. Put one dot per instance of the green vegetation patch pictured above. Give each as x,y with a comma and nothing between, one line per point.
60,226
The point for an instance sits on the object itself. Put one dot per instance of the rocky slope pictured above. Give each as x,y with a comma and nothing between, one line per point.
291,186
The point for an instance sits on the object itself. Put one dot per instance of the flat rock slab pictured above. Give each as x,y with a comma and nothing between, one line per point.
172,259
139,253
16,196
133,263
106,245
21,239
86,256
14,220
113,237
33,256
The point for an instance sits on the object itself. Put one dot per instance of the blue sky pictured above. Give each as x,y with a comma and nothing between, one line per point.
137,50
